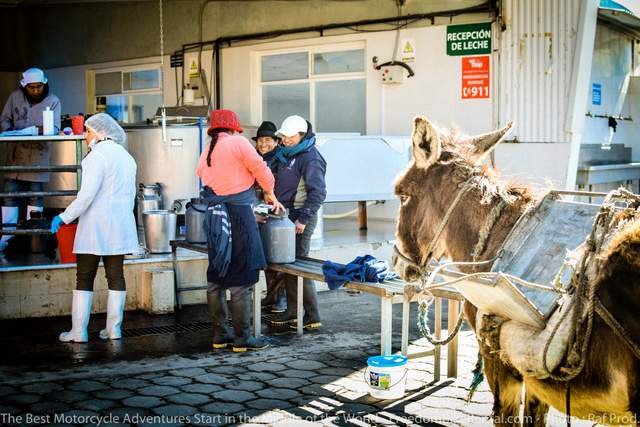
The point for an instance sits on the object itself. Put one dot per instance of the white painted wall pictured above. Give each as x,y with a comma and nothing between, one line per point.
434,91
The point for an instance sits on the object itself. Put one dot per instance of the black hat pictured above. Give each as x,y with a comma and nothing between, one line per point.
266,129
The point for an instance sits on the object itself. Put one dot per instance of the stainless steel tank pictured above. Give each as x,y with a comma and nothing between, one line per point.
62,153
171,163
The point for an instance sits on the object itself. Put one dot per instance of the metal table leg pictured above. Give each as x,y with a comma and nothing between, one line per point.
437,332
299,324
78,161
386,317
406,312
452,347
176,274
257,322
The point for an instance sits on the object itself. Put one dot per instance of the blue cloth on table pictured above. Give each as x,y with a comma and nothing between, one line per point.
364,268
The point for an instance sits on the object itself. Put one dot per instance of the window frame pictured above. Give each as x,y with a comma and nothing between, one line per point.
312,78
159,90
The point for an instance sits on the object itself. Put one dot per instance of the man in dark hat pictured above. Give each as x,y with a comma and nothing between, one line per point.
267,141
267,146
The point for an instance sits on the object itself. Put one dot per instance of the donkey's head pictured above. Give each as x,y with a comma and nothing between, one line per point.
441,162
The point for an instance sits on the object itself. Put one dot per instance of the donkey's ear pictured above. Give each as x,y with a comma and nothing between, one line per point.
426,142
486,142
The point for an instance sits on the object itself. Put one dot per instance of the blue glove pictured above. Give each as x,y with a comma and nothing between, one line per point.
56,223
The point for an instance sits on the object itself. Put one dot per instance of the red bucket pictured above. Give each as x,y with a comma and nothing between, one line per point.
77,124
66,235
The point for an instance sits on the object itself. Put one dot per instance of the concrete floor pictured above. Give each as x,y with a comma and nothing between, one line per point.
174,378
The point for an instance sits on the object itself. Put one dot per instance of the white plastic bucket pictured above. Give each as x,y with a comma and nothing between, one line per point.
386,376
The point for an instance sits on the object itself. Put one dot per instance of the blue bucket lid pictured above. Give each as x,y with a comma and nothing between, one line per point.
390,361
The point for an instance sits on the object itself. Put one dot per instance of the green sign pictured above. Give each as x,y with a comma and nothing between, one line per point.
469,39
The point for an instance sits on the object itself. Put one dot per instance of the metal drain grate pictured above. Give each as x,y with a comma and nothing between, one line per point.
167,329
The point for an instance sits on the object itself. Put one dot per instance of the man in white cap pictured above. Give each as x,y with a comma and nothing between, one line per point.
24,109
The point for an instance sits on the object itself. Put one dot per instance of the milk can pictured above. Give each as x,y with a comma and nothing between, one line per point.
279,239
194,221
148,199
159,230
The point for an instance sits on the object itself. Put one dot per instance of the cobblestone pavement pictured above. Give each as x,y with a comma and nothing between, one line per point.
315,380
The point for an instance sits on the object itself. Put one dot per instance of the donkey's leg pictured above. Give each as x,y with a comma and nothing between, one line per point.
507,391
535,412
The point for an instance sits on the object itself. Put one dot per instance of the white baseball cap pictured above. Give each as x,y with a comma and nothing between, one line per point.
292,125
33,75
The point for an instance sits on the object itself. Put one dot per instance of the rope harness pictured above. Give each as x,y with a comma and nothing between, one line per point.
427,278
583,289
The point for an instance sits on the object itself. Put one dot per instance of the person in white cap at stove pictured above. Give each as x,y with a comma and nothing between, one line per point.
24,109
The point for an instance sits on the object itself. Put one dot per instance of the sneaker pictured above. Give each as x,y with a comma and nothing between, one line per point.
281,319
220,343
281,305
251,343
306,324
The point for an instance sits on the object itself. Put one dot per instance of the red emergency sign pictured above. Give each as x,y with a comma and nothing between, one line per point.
475,77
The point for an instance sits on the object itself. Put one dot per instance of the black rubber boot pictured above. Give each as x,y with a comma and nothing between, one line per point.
269,301
217,303
289,315
311,318
241,319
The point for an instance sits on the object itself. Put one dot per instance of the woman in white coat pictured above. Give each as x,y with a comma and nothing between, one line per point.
106,225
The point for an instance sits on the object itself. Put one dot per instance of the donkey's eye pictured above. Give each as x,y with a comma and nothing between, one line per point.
404,199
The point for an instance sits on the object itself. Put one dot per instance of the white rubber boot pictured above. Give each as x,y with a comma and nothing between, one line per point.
115,312
31,209
80,312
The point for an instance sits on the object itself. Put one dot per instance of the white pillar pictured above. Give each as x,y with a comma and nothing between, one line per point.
581,76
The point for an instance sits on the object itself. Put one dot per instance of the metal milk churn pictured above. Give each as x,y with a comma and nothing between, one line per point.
148,199
279,239
194,221
159,230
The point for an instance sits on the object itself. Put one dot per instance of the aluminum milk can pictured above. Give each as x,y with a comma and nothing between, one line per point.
279,239
148,199
159,230
194,221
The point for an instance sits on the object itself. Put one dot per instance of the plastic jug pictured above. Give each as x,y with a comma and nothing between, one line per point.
47,122
279,239
196,210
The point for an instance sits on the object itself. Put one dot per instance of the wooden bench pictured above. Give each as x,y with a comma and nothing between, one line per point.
390,292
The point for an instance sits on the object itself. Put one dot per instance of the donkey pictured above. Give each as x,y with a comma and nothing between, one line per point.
607,390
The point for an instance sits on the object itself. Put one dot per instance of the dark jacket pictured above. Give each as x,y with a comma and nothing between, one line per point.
235,250
303,173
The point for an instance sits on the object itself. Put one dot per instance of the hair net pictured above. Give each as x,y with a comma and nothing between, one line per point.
106,128
33,75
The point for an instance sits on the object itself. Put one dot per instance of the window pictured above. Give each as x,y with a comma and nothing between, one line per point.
325,85
131,95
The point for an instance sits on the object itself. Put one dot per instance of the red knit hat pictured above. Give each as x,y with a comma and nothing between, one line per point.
224,119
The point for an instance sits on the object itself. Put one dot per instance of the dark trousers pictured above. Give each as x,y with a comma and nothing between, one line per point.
88,267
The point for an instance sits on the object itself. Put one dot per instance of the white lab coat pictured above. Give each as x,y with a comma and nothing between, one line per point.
104,203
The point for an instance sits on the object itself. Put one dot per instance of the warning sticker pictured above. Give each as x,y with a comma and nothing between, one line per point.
193,70
408,50
475,77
